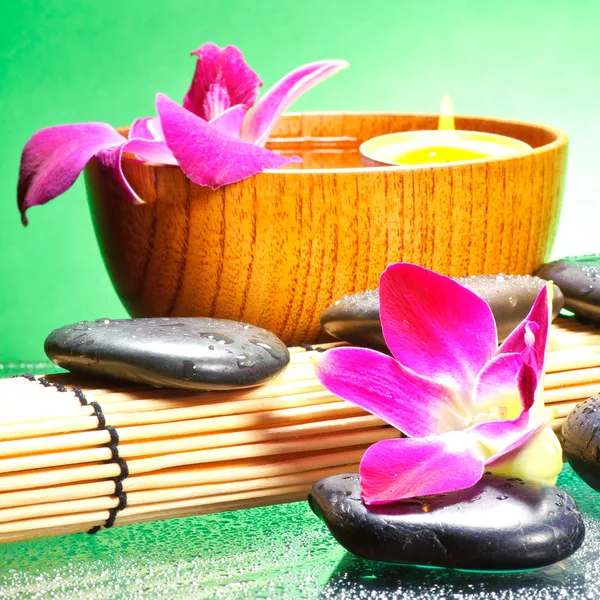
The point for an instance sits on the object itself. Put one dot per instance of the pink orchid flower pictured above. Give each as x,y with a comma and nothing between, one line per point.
212,137
466,405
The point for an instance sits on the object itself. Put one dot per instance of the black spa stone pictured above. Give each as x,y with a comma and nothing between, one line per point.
581,441
579,279
355,318
499,524
198,353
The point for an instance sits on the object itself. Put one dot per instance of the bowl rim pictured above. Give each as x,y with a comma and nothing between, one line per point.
561,140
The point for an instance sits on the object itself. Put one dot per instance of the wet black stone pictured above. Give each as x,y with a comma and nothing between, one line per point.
355,318
579,279
207,354
581,441
486,527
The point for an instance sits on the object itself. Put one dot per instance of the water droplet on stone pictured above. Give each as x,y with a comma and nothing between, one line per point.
189,369
244,362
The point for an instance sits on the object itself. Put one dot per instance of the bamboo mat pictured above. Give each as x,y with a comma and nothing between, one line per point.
80,454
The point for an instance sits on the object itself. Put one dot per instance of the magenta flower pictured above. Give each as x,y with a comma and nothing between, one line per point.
212,137
466,405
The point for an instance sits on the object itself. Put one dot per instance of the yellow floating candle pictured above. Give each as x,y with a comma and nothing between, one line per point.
439,146
434,147
446,120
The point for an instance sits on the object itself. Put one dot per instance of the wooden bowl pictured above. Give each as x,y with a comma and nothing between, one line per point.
276,249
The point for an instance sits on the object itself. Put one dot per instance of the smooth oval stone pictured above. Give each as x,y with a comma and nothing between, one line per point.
579,279
355,318
206,354
581,441
498,524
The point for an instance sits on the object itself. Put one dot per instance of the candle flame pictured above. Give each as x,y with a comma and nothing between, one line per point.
446,120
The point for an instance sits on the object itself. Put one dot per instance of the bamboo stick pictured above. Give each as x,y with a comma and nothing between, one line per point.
574,392
170,447
135,511
256,420
150,497
572,358
568,379
214,508
195,475
57,475
89,520
304,396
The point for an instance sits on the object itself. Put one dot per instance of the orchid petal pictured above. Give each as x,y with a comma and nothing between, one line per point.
261,120
497,388
531,336
53,158
155,129
435,326
222,79
397,469
147,128
230,121
500,438
208,156
140,129
539,460
155,151
376,382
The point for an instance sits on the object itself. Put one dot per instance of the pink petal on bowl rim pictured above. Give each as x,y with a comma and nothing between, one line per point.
435,326
154,151
398,469
374,381
221,79
286,91
230,121
140,129
53,158
206,155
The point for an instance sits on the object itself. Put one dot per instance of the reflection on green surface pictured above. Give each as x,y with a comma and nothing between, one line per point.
9,369
273,552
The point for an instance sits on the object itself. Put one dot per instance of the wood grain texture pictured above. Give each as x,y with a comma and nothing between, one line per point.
276,249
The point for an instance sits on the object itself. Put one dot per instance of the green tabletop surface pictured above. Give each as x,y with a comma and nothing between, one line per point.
277,552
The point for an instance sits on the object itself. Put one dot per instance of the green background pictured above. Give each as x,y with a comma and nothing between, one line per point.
63,61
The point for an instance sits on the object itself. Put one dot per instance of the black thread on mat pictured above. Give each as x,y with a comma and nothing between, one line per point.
113,444
59,386
99,414
79,393
27,376
310,348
